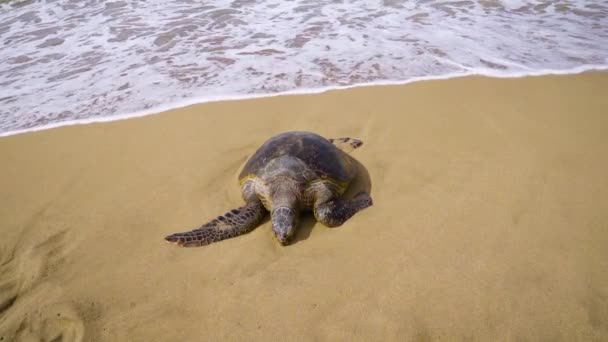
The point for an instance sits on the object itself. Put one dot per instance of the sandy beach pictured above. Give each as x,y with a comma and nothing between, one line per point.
490,221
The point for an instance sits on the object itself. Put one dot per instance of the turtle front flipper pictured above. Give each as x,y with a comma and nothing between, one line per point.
335,212
346,144
233,223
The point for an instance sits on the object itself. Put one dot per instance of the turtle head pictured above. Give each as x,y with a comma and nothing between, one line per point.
284,222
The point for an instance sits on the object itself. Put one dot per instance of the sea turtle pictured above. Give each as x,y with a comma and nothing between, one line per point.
289,173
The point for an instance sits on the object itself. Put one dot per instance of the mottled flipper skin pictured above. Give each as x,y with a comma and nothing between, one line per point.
346,144
290,173
335,212
233,223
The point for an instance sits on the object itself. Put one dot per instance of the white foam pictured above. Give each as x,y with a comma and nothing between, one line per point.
79,62
301,91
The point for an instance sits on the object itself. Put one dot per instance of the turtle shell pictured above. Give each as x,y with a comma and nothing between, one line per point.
320,155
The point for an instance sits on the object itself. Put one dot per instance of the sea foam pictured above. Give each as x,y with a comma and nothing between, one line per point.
67,62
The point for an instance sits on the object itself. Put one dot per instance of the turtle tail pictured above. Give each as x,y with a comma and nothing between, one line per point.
233,223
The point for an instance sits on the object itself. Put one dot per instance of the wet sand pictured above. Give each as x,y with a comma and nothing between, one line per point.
490,221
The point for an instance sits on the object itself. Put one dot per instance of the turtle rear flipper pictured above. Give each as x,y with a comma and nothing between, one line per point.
233,223
346,144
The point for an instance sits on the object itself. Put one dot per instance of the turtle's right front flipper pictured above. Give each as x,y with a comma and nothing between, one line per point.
233,223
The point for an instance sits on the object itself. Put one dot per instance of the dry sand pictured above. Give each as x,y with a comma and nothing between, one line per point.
490,221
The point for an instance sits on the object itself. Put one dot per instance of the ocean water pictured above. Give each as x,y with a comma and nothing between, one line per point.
76,61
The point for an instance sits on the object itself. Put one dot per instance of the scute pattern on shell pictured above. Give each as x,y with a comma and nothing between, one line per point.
319,154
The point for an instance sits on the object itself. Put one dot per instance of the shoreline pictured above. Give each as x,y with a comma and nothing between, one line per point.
199,101
489,220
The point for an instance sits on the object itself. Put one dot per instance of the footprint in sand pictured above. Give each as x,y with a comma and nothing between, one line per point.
9,285
27,310
54,322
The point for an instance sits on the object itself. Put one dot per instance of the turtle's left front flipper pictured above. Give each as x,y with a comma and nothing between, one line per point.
233,223
335,212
